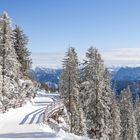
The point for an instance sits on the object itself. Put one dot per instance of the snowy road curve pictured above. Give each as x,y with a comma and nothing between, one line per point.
26,122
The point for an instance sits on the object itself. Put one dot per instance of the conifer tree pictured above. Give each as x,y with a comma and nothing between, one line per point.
69,89
8,60
128,122
96,96
13,89
116,122
22,52
137,116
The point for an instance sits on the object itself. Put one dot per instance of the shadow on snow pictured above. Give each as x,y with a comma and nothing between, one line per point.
28,135
38,111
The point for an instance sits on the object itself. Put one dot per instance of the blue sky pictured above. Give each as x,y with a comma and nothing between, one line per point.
54,25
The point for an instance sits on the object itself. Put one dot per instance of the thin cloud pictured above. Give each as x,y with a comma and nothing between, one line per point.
122,56
116,57
50,60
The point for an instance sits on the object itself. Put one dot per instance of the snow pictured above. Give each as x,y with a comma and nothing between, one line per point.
47,93
68,136
27,123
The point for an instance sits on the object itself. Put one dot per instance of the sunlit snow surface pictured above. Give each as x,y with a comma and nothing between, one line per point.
26,122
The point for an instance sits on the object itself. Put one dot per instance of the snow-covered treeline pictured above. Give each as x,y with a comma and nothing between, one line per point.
15,86
93,108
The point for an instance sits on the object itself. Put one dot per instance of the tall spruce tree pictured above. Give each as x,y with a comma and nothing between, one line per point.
96,96
69,89
137,116
8,61
23,53
112,113
128,122
116,121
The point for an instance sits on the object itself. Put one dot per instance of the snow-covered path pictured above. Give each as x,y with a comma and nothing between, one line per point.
26,122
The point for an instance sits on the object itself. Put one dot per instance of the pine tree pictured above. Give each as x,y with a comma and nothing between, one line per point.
128,122
69,89
137,116
8,61
134,135
96,96
23,54
13,89
112,113
116,121
1,106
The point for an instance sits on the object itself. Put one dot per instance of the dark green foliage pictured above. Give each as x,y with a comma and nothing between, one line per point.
23,53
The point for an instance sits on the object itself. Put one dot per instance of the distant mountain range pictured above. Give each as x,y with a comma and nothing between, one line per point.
121,76
47,76
127,73
126,76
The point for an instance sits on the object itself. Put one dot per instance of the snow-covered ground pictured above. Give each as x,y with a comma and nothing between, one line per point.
26,122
